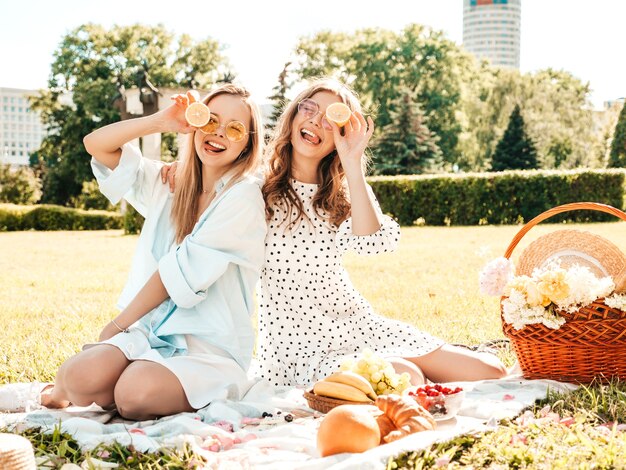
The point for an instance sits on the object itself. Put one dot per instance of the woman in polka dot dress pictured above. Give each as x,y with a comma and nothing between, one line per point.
319,205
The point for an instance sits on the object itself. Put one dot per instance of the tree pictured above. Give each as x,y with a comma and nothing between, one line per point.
406,145
515,151
91,67
557,113
19,185
617,157
378,63
279,97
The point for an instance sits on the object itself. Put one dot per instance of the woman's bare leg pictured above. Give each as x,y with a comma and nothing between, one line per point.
402,365
88,377
454,364
147,390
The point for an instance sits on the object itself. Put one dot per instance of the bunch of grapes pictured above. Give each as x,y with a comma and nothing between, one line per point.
379,372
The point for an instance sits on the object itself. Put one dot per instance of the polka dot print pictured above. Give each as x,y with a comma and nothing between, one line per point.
311,317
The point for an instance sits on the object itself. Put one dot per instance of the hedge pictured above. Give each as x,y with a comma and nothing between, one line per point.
50,217
507,197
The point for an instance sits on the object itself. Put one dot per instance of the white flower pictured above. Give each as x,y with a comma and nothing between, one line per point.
617,301
527,302
495,276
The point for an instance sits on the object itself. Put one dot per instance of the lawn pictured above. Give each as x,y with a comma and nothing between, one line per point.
60,288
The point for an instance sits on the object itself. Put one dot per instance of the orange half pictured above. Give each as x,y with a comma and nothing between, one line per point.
197,114
338,113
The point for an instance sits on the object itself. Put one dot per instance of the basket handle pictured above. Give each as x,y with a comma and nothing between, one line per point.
595,206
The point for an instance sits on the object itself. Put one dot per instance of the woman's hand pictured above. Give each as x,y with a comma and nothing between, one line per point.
108,332
351,146
168,174
172,118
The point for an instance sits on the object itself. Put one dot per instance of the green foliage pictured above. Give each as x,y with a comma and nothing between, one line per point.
133,220
279,97
617,158
497,198
558,115
406,146
377,63
90,197
11,217
19,185
50,217
93,65
515,151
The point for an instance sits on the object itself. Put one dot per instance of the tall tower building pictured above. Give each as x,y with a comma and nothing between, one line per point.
491,30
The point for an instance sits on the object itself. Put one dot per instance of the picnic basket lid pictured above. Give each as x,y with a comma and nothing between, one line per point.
602,257
16,453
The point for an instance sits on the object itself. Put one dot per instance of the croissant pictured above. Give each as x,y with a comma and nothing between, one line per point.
406,416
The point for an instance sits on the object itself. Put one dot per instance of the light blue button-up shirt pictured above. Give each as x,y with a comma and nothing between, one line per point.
210,277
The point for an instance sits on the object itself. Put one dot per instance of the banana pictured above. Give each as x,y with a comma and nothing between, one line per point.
339,390
353,379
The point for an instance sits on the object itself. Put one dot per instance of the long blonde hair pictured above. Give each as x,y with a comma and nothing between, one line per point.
189,175
331,197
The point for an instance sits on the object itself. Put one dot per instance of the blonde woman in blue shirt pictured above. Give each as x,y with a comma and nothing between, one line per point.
184,336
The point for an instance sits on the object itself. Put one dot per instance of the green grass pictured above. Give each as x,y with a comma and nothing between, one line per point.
60,288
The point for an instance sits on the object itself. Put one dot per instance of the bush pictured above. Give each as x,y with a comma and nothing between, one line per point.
90,197
49,217
133,220
19,186
497,198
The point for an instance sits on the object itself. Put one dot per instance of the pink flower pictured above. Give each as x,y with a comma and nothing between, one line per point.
137,431
225,425
103,454
442,461
495,276
517,438
508,397
567,421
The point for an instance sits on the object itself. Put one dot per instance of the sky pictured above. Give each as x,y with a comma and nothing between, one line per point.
586,38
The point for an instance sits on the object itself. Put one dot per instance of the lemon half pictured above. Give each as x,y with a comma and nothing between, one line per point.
197,114
338,113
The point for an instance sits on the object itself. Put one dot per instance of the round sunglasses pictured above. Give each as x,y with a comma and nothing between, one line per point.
309,109
235,130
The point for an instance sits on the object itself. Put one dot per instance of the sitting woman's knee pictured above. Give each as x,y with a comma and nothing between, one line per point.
131,399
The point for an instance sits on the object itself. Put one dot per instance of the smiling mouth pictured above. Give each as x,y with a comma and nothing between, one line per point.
310,137
213,147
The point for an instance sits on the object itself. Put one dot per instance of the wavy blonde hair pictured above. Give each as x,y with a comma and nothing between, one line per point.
189,175
331,197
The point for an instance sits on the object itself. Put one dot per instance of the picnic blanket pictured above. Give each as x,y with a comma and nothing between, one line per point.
232,433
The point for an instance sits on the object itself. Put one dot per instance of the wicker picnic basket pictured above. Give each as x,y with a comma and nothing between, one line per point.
592,342
325,404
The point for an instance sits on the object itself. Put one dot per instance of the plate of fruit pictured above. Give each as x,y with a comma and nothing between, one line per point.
441,401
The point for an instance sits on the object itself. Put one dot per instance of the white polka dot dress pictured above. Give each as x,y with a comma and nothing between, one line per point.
311,318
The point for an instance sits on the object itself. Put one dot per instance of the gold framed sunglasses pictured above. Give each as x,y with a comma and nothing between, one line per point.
235,130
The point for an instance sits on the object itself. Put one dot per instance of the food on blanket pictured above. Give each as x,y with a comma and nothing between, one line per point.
385,425
439,400
348,428
341,391
406,415
353,379
378,372
339,113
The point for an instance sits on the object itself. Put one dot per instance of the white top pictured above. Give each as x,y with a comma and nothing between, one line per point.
311,317
210,276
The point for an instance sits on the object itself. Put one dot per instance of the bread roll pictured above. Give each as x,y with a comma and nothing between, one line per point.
348,428
406,415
